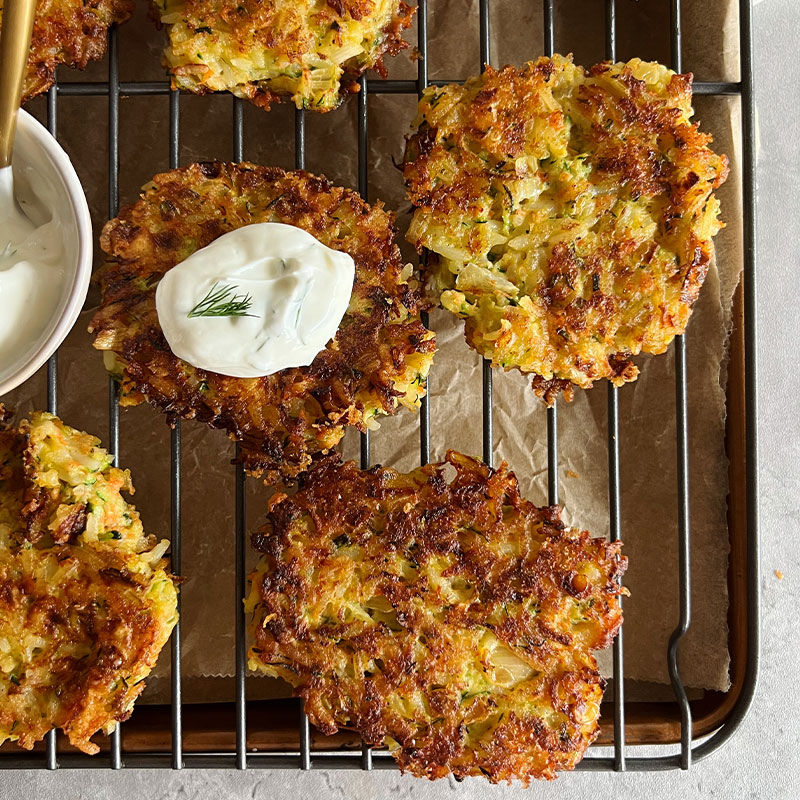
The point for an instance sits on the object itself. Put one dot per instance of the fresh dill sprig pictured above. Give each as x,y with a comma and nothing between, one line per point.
223,302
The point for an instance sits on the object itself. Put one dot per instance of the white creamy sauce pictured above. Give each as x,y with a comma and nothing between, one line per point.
290,290
31,262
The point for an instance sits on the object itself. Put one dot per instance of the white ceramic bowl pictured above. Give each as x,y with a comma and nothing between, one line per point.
35,147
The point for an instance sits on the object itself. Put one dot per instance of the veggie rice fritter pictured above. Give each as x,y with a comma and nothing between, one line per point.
570,213
449,618
262,50
378,360
85,602
70,32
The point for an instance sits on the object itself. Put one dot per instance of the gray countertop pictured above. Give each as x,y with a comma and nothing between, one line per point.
762,759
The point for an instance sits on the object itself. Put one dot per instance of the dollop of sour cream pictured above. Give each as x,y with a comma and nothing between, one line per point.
32,255
262,298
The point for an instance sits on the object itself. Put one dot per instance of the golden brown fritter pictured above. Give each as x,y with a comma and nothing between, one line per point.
379,358
570,212
261,50
68,32
451,619
85,602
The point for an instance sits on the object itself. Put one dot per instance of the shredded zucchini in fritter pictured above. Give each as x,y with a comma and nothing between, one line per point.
264,49
85,602
70,32
378,360
453,621
570,212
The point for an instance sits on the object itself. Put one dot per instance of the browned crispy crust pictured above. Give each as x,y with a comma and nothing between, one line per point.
83,614
601,188
379,357
68,32
393,42
97,609
383,598
206,33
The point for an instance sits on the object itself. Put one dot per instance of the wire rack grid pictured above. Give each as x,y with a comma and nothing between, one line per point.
242,757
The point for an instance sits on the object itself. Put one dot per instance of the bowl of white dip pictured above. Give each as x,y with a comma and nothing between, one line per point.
46,261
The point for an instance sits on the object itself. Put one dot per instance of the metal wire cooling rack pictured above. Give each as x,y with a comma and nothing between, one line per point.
242,757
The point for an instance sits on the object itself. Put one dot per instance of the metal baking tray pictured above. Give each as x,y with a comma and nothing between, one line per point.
275,733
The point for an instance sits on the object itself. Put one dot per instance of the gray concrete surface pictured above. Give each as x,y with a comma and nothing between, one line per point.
762,761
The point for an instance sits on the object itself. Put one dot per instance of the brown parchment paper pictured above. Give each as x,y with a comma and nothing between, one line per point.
647,407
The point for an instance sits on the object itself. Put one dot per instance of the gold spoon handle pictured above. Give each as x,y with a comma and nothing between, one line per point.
15,42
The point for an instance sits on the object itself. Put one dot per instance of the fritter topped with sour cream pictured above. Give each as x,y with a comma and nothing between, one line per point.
378,360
